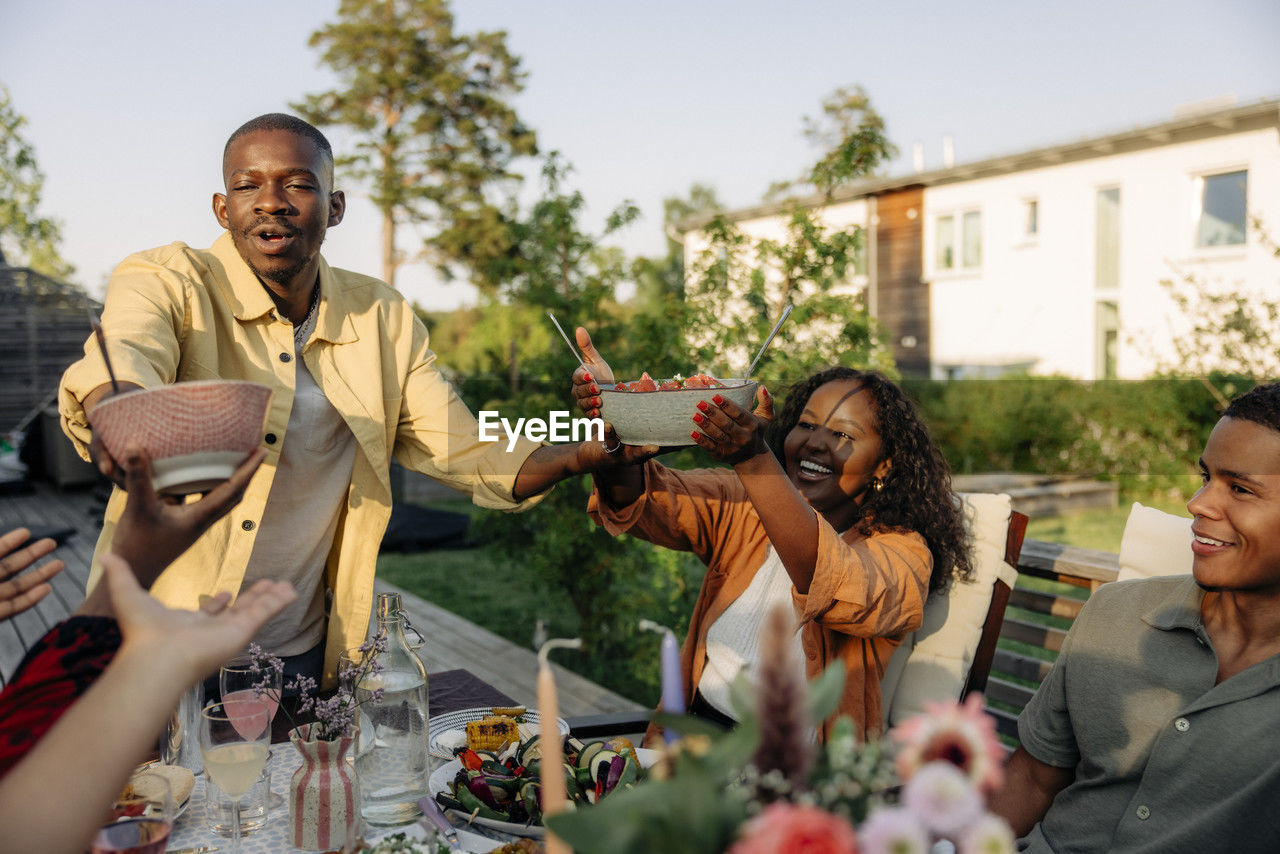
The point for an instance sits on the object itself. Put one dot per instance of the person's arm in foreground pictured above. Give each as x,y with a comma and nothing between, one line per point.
1029,788
63,664
20,592
53,800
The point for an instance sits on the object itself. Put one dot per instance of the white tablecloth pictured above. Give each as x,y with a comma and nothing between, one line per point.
191,830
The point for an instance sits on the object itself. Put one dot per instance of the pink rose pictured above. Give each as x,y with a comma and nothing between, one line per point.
784,828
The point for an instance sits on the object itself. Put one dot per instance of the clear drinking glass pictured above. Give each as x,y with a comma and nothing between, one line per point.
239,681
140,820
235,738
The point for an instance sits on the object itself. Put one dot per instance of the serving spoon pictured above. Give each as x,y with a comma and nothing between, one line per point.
572,349
102,346
767,341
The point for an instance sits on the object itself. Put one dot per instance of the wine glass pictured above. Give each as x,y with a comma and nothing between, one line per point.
239,681
140,819
235,738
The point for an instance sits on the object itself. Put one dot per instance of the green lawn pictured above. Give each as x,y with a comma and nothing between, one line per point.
478,584
1094,529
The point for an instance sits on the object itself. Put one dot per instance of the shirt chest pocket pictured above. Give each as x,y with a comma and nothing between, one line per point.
315,418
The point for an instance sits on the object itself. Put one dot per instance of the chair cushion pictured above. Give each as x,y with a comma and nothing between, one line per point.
933,662
1154,543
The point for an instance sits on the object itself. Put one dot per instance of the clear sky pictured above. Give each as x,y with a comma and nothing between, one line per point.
130,101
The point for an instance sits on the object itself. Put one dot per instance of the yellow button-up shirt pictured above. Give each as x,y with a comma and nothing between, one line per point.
177,314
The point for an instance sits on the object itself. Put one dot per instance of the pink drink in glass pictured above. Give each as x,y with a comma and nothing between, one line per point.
245,711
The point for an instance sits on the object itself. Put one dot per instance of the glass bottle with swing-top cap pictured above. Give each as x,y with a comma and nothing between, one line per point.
391,749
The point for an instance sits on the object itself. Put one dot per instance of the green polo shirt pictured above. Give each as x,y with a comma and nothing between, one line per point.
1165,760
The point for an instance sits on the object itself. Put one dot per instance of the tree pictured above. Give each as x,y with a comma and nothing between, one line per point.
560,266
851,135
27,239
738,285
434,130
1231,331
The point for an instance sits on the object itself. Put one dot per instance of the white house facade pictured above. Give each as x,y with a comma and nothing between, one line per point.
1051,260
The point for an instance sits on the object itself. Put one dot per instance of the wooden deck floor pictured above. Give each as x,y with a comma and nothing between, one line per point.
451,642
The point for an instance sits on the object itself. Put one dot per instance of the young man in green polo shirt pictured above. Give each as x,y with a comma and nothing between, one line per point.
1156,730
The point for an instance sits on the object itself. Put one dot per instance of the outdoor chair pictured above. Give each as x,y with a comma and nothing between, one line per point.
950,655
1154,543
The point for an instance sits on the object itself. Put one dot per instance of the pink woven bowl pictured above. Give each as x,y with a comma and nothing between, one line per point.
196,433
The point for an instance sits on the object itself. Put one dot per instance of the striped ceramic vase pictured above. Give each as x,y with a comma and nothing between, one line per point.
324,796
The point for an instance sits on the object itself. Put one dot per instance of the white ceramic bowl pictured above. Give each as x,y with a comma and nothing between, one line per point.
196,433
666,417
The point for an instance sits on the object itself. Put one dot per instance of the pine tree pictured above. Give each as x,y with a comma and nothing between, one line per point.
435,132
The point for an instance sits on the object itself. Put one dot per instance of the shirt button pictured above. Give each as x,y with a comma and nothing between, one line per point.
247,524
1143,812
1182,724
285,357
271,438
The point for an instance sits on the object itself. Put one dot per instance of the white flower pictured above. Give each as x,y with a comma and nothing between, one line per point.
893,830
990,834
943,797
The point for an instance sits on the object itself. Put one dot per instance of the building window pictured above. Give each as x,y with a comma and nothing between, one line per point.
1222,208
860,255
972,239
1107,240
1106,339
1031,219
963,250
946,235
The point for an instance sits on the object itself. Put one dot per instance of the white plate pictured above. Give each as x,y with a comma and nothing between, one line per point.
443,776
458,720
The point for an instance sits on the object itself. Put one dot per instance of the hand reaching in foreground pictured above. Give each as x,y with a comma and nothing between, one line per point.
730,433
154,530
196,643
20,592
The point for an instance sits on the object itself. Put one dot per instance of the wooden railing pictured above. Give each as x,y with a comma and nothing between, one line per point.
1016,670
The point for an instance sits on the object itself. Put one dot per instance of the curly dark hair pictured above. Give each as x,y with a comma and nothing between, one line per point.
917,494
1260,405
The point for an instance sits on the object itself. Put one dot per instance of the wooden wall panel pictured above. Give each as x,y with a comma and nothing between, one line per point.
902,295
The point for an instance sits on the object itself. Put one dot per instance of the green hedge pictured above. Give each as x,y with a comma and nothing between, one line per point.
1145,434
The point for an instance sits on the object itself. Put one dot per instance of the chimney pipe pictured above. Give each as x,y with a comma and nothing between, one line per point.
917,156
948,152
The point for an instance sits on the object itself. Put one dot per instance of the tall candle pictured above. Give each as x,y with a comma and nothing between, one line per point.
672,680
553,786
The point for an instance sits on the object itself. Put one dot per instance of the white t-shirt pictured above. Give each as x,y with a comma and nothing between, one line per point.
310,488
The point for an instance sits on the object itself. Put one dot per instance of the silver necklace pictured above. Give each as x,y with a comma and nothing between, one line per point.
303,330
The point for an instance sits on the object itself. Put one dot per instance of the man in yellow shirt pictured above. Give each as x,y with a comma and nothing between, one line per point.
354,384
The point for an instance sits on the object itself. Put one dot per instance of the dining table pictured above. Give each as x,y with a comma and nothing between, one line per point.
448,691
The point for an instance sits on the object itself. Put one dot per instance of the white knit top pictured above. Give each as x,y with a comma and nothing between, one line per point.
733,640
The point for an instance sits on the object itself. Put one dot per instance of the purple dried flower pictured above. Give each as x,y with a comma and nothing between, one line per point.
335,717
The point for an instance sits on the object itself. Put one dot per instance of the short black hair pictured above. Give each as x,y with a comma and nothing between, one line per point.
282,121
1260,405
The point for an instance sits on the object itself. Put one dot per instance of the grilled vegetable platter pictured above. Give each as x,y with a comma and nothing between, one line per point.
502,789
